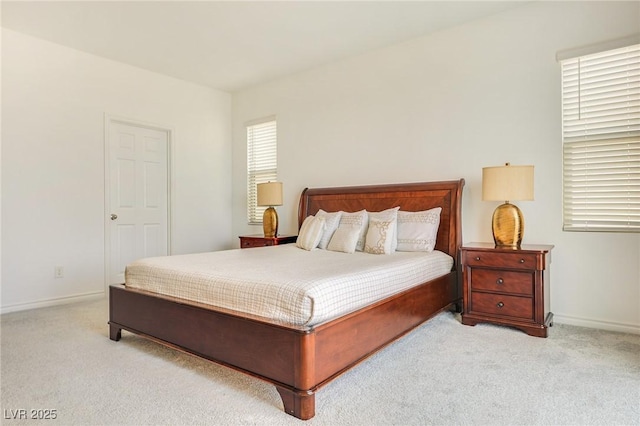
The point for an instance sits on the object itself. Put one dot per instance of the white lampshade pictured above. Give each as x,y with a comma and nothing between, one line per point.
270,194
507,183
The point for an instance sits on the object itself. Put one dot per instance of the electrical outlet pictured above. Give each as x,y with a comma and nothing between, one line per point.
59,272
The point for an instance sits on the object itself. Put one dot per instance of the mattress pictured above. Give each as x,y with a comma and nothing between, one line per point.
284,284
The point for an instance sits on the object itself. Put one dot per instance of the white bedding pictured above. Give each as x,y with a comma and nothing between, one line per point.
285,284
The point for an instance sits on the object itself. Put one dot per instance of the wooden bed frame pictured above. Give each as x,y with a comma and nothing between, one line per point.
299,362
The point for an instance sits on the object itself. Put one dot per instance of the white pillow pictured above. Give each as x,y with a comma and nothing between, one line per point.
390,215
418,231
379,237
359,219
310,233
332,221
345,238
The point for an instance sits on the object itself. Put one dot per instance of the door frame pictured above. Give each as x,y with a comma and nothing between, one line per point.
110,119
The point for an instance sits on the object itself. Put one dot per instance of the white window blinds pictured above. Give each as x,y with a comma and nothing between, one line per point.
601,141
262,164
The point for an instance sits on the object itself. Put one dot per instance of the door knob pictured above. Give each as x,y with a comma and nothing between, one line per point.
114,216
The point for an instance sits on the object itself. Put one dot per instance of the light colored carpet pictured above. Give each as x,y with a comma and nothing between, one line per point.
442,373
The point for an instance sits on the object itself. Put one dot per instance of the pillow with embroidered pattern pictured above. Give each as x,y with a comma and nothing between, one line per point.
388,215
379,236
359,219
418,231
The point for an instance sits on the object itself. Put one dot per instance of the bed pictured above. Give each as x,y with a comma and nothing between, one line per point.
300,360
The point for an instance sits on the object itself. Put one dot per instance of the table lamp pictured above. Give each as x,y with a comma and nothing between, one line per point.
507,183
270,194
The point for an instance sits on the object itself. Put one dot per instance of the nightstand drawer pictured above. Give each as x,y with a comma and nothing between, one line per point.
503,305
502,281
501,260
248,243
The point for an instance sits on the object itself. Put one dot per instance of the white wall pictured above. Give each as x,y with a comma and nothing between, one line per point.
54,101
442,107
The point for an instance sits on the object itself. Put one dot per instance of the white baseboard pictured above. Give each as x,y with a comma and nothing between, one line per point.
601,325
52,302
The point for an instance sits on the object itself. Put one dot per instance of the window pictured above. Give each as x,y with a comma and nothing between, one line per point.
601,141
262,163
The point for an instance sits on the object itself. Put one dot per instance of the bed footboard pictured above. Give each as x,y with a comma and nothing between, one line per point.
297,362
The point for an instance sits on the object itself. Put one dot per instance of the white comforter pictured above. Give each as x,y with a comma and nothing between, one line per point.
285,284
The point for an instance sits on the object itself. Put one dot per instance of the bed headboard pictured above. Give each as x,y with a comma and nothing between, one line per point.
409,196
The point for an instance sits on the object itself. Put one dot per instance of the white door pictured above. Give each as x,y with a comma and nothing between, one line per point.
138,208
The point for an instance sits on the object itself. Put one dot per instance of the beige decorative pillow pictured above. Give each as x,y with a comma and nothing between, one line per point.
345,238
378,239
332,221
418,231
359,219
390,215
310,233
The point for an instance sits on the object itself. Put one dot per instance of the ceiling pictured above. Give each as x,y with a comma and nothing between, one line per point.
230,45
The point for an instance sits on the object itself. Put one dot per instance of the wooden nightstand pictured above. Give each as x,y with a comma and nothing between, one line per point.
507,286
248,241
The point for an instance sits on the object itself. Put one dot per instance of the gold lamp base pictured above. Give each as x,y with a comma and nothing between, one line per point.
270,222
508,226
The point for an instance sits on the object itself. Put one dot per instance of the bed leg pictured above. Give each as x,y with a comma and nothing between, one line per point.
300,404
115,332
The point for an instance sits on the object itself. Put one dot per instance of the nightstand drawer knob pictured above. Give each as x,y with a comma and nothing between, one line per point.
500,305
521,260
477,258
499,281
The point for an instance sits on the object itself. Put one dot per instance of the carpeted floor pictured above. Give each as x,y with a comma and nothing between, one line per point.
442,373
